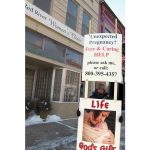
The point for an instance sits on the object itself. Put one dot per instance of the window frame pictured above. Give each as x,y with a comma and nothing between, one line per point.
83,24
36,35
50,6
78,54
68,14
78,86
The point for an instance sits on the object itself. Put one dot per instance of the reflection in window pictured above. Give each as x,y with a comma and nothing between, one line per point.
73,58
43,4
54,49
71,17
85,23
34,39
46,47
71,86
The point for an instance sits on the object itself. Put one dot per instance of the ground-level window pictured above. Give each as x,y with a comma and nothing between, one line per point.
43,84
29,82
71,86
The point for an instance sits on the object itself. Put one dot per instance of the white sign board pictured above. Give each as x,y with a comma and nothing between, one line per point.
98,125
46,19
102,59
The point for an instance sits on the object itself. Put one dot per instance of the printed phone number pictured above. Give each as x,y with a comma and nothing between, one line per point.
98,73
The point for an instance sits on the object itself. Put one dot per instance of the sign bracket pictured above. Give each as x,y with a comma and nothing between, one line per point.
115,90
86,89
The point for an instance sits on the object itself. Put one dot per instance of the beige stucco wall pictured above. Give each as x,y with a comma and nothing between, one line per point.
59,8
64,110
31,1
92,7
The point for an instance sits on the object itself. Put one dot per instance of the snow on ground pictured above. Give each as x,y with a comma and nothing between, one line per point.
60,143
35,119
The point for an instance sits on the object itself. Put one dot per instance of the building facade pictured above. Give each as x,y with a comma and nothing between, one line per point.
54,31
107,24
107,20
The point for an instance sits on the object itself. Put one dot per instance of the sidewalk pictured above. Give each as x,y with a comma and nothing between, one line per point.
51,136
61,135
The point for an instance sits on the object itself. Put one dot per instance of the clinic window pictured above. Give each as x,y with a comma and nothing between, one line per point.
71,16
45,5
55,50
71,86
73,58
85,23
33,39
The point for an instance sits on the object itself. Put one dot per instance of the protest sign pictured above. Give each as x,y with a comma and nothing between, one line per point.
98,124
102,59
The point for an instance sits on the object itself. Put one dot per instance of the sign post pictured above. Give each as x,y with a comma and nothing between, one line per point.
116,84
98,124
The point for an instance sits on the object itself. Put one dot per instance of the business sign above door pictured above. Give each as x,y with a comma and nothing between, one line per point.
44,18
102,59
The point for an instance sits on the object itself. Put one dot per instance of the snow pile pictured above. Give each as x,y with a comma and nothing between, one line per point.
35,119
53,118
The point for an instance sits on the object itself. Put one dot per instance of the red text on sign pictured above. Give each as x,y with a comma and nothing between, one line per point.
99,104
86,147
101,54
110,147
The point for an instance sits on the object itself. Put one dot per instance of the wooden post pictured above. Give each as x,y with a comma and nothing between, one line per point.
115,90
115,83
86,89
86,82
116,23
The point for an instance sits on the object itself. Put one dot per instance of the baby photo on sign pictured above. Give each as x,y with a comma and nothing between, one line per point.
99,126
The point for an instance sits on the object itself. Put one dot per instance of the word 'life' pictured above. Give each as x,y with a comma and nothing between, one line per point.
99,104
